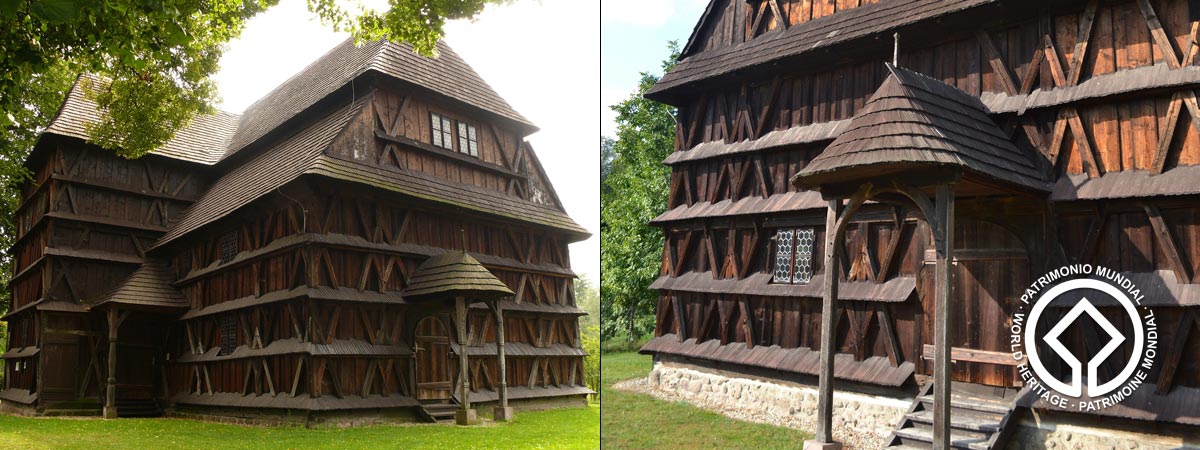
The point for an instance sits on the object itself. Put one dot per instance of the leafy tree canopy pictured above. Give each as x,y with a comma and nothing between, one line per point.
156,59
634,191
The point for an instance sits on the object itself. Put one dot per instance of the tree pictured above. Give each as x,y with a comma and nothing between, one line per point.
155,59
587,298
634,192
418,22
607,154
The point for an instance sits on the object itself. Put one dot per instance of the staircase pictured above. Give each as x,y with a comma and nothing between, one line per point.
138,408
979,416
438,411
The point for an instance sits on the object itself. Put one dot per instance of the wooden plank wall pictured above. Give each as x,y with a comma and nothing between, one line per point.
377,249
1125,133
86,220
398,137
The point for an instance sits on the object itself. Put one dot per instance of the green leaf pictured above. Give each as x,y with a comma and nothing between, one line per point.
8,8
56,11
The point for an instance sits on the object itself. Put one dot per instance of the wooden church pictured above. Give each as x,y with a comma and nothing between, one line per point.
861,191
372,239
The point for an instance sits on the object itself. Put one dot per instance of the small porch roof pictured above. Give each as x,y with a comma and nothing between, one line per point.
454,274
913,125
148,288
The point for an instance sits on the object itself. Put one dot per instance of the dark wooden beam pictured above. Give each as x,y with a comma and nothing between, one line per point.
1167,243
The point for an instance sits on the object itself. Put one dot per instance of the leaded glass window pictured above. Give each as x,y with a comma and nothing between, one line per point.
783,255
803,270
467,141
228,246
443,131
228,335
794,255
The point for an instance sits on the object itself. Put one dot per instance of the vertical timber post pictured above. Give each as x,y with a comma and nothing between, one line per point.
824,439
465,415
944,277
110,398
502,413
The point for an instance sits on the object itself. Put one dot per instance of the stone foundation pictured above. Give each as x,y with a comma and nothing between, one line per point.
860,420
534,404
1073,432
286,418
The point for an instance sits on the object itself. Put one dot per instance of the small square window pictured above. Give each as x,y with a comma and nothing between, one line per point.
229,247
228,335
467,143
443,131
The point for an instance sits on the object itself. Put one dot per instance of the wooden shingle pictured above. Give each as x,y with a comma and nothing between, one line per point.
454,274
915,121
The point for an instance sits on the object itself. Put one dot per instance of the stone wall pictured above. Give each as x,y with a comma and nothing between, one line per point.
860,420
1059,432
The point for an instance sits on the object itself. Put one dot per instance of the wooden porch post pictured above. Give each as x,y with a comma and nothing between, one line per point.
110,399
824,438
502,413
944,278
465,415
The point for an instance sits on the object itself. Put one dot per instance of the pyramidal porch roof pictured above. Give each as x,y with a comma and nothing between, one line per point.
914,124
454,274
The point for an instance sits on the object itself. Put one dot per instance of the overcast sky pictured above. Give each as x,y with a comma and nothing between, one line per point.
540,55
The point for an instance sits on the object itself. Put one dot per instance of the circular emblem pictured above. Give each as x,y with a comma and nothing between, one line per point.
1081,376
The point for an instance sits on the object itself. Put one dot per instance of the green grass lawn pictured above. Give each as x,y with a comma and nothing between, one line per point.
576,428
641,421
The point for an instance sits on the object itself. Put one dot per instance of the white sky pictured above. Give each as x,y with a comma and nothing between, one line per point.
540,55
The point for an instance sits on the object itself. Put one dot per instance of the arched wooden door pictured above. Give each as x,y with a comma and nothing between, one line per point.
435,367
991,272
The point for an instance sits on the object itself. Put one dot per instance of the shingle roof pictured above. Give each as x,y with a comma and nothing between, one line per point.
426,186
149,285
454,274
447,75
264,173
209,139
861,22
202,141
304,153
916,120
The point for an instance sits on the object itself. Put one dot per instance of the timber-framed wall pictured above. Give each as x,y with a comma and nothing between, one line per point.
1098,95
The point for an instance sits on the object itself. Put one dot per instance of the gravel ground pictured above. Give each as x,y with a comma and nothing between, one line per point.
848,439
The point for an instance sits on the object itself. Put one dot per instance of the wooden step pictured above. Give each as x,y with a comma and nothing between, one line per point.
972,403
439,412
959,421
958,438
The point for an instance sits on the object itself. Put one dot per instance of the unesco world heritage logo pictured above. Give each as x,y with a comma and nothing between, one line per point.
1039,335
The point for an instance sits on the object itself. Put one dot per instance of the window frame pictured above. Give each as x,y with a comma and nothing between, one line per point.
227,326
227,247
798,255
468,139
441,131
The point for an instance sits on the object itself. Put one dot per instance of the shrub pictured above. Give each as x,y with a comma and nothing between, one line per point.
621,344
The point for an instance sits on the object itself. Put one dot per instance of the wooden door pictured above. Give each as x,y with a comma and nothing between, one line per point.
435,366
138,350
991,271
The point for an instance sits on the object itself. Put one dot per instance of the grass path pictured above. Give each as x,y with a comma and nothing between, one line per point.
638,421
576,428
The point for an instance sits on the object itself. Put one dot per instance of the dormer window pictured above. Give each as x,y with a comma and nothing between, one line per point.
467,142
443,131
